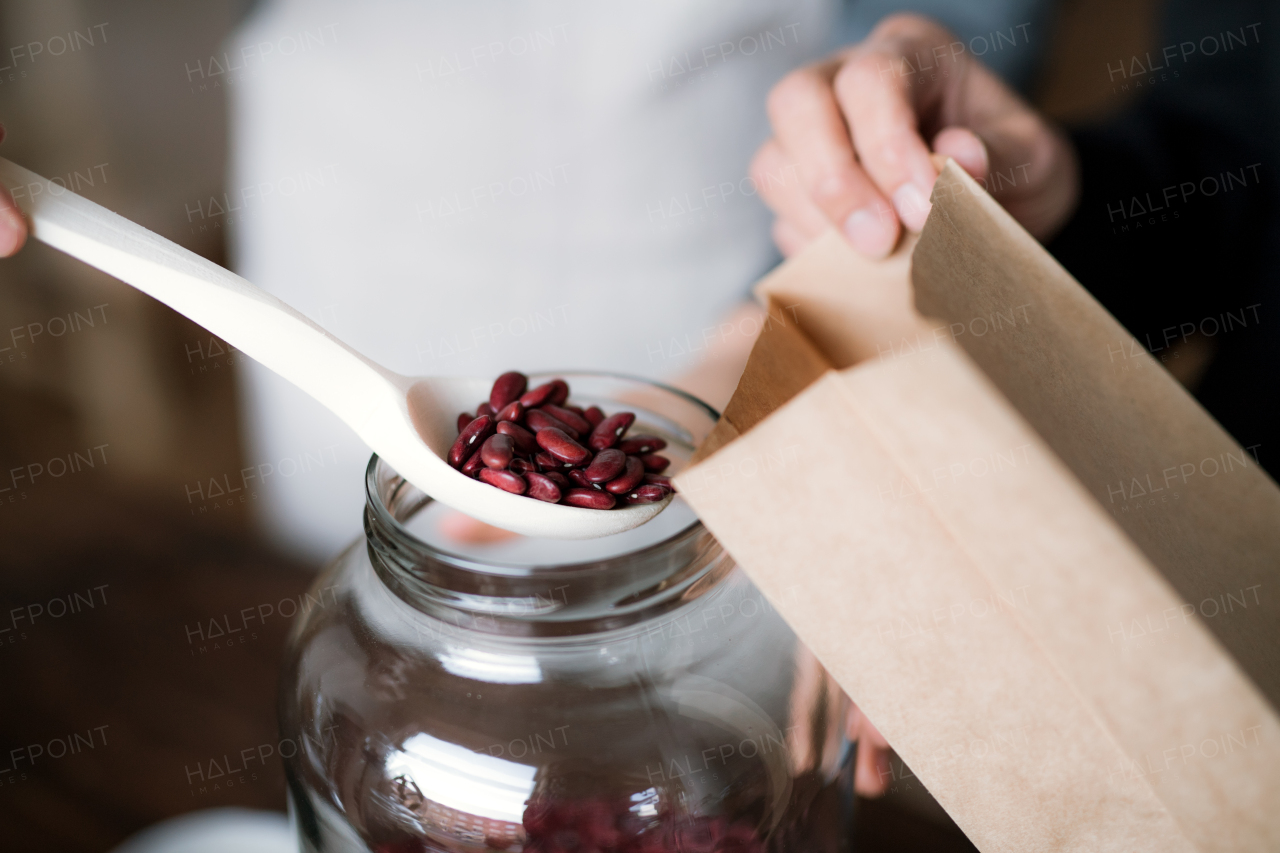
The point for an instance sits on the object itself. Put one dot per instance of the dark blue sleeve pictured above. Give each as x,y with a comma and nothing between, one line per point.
1177,232
1009,36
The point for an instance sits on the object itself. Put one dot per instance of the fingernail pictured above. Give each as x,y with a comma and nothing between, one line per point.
871,234
912,205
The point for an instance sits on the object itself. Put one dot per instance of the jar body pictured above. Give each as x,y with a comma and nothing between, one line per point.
634,694
707,727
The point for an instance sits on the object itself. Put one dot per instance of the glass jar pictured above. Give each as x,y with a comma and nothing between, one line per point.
632,693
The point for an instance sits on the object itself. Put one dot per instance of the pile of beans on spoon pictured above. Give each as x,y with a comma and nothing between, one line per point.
533,442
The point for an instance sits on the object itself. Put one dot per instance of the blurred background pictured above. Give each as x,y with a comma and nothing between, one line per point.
135,535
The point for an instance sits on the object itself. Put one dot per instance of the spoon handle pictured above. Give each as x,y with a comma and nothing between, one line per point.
249,319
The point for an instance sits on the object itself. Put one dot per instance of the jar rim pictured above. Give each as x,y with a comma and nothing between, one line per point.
593,594
408,541
388,522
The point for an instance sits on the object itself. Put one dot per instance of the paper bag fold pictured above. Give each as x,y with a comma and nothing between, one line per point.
1193,499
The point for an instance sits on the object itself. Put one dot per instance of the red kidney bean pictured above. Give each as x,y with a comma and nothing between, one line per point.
648,493
630,478
638,444
475,433
538,420
609,430
473,465
543,487
507,387
559,479
606,465
655,464
524,439
561,446
547,462
589,499
573,419
579,478
659,480
559,392
498,451
537,396
504,480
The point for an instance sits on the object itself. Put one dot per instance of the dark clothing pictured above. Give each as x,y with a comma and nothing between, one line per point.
1178,228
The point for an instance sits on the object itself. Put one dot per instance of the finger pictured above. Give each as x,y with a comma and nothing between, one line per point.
807,122
779,185
1033,167
789,240
471,531
852,722
1046,186
872,771
964,146
13,228
882,119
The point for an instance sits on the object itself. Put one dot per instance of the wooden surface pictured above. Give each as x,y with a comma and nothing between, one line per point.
127,664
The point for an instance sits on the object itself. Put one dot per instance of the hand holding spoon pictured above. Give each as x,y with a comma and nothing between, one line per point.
408,421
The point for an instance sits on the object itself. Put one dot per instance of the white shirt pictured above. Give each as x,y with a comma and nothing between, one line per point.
469,188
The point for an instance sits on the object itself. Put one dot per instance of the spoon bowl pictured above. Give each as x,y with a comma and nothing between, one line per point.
408,421
431,405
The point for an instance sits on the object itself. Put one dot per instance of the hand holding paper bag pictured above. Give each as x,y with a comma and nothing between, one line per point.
859,126
961,559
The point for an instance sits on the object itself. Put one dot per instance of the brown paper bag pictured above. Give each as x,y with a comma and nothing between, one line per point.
1001,532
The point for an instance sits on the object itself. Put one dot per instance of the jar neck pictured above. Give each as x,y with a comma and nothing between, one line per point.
528,601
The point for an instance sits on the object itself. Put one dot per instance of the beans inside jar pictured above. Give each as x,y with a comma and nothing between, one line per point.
535,442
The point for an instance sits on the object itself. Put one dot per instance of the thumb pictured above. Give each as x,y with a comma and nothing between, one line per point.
964,146
1025,164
